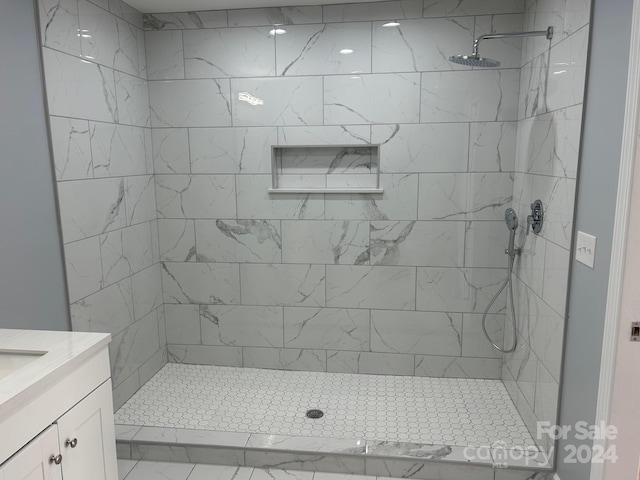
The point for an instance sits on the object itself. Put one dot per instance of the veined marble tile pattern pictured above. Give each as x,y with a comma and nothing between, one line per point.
95,73
454,412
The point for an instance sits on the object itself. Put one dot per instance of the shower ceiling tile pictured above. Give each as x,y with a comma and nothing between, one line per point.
229,52
316,49
470,96
421,45
354,12
190,103
411,148
277,101
366,99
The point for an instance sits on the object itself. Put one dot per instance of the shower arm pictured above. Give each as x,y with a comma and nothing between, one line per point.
539,33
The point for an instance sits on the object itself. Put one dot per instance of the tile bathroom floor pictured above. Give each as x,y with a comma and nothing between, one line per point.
441,411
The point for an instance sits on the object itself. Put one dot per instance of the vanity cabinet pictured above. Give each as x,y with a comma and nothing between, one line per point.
56,413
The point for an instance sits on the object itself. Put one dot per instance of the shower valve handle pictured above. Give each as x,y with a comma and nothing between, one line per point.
534,221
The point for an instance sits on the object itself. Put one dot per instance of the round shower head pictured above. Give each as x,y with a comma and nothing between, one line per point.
474,61
511,219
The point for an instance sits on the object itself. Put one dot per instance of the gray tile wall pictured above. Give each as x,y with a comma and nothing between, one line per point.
95,70
390,283
549,126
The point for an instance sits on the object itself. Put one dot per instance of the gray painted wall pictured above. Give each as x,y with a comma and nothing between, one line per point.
32,283
597,189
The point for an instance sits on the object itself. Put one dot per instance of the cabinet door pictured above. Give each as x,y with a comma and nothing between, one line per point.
87,438
32,462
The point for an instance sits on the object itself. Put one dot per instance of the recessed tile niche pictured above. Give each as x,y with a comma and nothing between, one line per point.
325,169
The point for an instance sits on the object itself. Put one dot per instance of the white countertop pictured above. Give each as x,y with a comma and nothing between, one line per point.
63,351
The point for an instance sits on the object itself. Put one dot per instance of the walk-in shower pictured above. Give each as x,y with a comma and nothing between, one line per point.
475,60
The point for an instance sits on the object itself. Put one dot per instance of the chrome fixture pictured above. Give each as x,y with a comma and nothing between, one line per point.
535,220
511,220
475,60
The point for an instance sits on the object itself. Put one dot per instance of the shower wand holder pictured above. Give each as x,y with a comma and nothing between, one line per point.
536,219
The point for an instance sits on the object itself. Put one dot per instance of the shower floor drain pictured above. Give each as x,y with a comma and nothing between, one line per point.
315,413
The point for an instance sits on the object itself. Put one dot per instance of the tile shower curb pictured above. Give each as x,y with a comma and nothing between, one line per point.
353,456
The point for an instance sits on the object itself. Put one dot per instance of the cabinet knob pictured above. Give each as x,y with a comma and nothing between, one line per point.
57,459
71,443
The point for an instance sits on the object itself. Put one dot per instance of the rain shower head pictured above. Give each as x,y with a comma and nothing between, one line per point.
475,60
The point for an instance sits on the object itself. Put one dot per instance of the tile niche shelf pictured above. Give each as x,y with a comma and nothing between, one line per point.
325,169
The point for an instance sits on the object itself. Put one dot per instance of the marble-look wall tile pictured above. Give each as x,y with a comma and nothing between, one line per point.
368,99
458,289
170,150
277,101
326,328
390,288
152,366
79,89
470,96
201,283
407,148
325,242
474,343
576,15
232,150
285,358
183,324
432,471
416,332
546,396
492,147
125,252
529,265
126,12
317,49
133,100
147,291
205,355
485,244
290,285
398,202
110,310
464,196
131,348
107,40
421,45
533,86
354,12
71,148
142,55
417,243
122,393
91,207
185,20
117,150
558,196
372,363
59,25
196,196
140,199
241,326
238,241
507,50
329,135
275,16
455,8
84,268
457,367
164,55
255,202
229,52
190,103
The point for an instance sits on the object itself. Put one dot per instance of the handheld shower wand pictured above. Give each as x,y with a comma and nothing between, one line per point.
511,220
